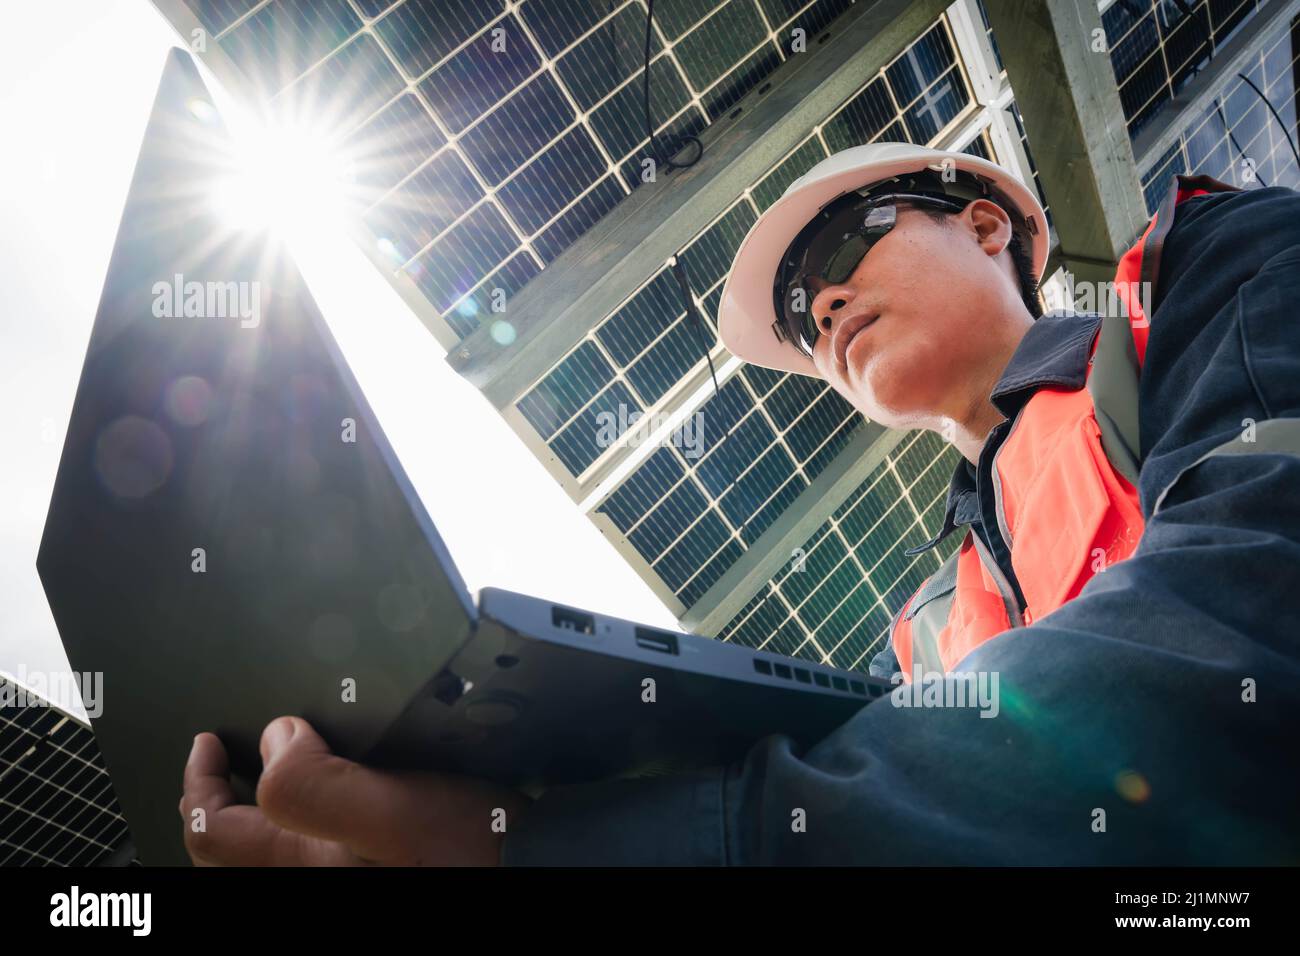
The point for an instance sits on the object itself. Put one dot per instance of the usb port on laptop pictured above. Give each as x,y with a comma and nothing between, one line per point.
665,642
570,620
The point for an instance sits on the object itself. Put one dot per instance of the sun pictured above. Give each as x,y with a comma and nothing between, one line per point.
288,178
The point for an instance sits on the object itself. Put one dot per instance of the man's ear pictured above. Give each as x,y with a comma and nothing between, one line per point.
991,225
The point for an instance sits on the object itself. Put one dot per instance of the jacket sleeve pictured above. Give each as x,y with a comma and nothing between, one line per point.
1153,719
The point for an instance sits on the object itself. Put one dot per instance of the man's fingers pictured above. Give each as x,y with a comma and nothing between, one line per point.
240,836
316,808
206,783
243,836
229,834
217,830
306,788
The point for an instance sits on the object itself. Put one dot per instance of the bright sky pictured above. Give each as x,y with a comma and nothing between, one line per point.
77,81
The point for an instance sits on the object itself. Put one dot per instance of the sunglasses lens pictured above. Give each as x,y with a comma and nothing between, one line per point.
845,259
841,240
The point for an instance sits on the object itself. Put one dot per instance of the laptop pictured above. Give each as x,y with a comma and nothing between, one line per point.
231,538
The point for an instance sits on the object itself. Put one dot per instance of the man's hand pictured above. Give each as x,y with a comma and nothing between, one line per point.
318,809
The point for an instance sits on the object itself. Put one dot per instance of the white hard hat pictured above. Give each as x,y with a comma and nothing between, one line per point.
747,309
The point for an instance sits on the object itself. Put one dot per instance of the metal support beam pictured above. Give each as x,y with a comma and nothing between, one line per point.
613,259
1200,93
731,592
1065,90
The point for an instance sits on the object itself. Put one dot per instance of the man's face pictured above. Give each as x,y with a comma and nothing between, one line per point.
923,312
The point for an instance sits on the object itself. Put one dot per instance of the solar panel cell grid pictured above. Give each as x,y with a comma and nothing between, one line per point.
391,146
421,33
1237,140
500,85
836,603
355,82
1156,47
281,40
580,443
753,468
449,268
218,15
770,188
929,79
483,73
795,15
668,359
728,37
553,180
56,802
491,296
619,121
427,203
756,485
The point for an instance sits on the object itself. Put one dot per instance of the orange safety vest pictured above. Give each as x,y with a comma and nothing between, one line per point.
1063,485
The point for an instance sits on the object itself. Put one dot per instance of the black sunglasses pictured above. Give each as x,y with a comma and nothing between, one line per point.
830,248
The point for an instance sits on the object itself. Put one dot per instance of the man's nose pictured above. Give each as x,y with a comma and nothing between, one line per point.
830,304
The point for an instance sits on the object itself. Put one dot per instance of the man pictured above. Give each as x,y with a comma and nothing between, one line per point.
1136,596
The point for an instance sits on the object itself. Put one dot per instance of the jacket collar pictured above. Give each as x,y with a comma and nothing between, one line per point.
1055,352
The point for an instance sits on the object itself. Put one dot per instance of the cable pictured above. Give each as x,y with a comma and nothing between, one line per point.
1218,106
1268,103
693,315
664,161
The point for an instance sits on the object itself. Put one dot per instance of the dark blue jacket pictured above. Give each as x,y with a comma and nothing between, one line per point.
1133,699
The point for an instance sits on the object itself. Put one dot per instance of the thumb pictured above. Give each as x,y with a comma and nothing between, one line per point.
306,788
289,735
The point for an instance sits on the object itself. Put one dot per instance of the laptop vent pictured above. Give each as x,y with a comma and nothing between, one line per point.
804,675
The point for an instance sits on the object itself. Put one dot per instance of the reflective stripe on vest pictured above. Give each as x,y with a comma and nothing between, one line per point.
1273,436
1064,484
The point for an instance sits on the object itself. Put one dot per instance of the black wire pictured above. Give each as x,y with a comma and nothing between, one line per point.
664,161
693,316
1218,106
1268,103
722,447
1218,109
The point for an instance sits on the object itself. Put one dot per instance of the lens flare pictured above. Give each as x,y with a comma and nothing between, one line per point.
188,400
1132,786
502,332
133,457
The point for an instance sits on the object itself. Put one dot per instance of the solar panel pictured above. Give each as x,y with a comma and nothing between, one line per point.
834,600
760,447
767,436
1237,140
1155,47
526,118
57,806
1033,167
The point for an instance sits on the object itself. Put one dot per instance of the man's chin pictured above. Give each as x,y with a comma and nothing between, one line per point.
864,392
889,408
